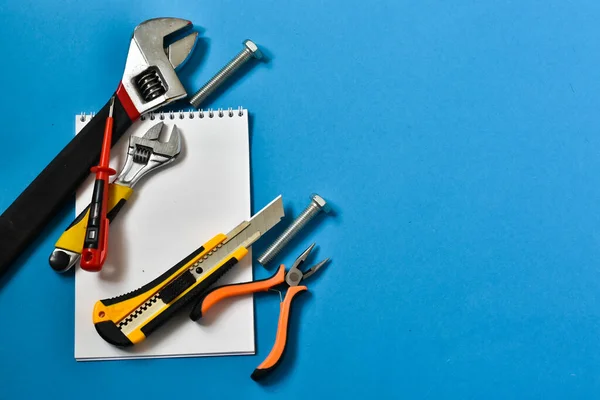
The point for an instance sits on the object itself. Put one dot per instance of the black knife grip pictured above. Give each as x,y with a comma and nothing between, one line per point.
24,219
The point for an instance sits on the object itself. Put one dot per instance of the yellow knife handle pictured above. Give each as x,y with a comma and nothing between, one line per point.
128,319
73,237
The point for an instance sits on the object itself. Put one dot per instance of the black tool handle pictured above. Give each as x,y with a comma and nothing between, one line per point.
92,240
32,210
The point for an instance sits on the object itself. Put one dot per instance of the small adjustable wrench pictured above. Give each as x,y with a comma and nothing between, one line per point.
149,82
144,154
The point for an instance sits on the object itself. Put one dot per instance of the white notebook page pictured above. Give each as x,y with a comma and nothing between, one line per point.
173,211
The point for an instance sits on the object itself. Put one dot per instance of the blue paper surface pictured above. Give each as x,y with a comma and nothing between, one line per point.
459,143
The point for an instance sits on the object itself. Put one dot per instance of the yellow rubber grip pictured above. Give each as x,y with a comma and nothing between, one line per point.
73,237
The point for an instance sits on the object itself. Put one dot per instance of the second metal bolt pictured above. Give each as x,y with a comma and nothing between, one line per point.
251,50
317,204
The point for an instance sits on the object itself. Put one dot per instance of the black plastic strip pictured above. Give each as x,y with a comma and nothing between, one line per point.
155,282
178,286
192,294
79,218
112,213
112,334
91,241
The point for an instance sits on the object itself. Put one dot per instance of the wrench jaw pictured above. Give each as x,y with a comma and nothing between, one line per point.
149,80
179,52
147,153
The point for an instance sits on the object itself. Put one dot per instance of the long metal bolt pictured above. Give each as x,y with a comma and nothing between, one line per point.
317,204
251,50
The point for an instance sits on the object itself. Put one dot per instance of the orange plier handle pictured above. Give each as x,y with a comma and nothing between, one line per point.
224,292
274,357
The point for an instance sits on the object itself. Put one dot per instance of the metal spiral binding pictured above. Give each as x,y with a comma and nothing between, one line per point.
173,115
84,117
150,85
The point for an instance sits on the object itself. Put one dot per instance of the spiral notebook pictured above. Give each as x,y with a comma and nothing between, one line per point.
172,212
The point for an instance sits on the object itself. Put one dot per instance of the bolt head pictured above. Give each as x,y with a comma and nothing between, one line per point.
250,45
320,202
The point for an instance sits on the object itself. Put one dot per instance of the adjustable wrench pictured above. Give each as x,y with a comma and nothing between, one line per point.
144,154
149,82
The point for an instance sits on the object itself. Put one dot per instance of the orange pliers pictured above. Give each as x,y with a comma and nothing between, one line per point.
291,280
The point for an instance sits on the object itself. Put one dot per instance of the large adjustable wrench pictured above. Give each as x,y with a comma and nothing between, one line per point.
149,82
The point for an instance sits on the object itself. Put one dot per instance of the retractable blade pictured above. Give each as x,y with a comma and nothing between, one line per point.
128,319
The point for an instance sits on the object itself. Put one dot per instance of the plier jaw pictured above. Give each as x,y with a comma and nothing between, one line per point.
295,275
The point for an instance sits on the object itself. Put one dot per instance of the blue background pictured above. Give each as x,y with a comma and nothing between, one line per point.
458,141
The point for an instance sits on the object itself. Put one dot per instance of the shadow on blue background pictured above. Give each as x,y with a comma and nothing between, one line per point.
459,142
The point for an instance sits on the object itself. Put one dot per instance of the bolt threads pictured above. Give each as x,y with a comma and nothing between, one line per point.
308,214
220,77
